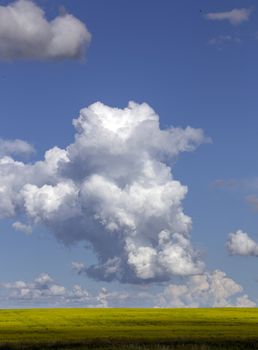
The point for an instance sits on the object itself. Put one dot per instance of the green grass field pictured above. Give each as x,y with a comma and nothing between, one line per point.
228,328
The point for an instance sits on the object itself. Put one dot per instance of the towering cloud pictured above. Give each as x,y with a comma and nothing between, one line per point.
25,33
113,188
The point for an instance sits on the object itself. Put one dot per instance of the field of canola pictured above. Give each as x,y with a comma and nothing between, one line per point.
227,328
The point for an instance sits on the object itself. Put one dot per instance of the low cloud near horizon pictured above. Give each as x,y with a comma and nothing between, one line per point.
25,33
214,289
211,289
44,290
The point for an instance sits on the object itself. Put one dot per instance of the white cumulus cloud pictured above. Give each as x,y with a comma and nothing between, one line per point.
239,243
42,288
25,33
15,148
235,16
113,188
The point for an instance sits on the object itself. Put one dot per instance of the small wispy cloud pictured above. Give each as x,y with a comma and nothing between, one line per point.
247,188
230,184
243,185
211,289
223,40
252,200
19,226
78,267
235,16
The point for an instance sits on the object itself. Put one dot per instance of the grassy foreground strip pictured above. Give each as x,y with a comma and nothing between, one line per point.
132,329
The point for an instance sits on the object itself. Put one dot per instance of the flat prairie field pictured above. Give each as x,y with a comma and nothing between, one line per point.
227,328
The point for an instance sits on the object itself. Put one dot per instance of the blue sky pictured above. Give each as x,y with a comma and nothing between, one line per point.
193,71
